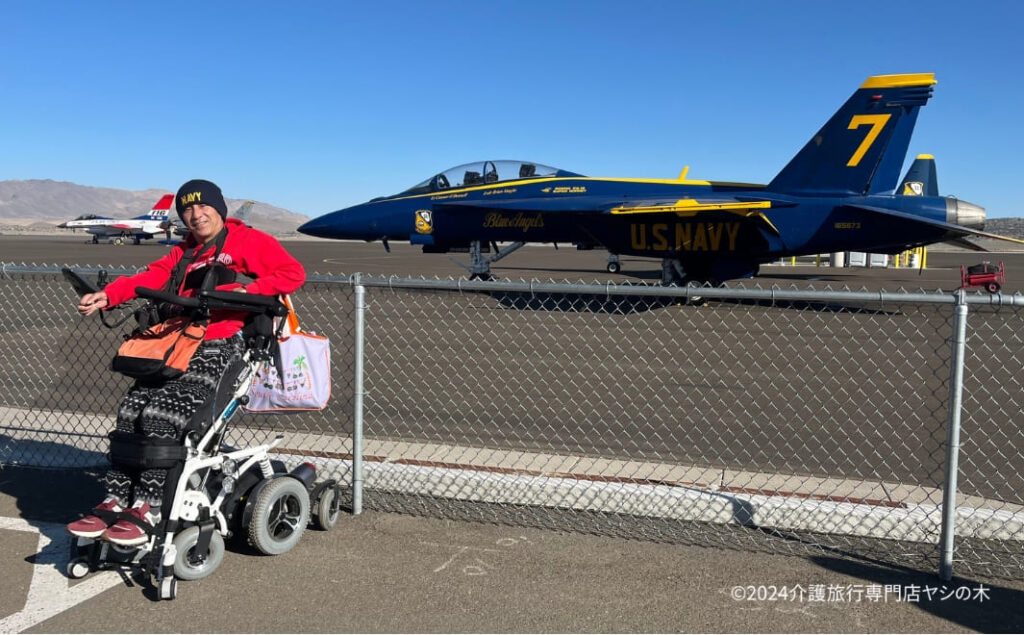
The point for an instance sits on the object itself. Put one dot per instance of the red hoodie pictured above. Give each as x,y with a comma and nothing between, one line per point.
246,250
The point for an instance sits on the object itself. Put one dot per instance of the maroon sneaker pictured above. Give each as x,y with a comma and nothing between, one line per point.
93,526
129,534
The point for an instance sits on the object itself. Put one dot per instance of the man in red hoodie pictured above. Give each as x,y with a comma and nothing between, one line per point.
216,245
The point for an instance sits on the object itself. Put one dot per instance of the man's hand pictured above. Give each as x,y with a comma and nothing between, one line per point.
92,302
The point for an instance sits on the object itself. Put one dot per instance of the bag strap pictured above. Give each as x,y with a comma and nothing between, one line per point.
293,320
179,269
178,274
283,328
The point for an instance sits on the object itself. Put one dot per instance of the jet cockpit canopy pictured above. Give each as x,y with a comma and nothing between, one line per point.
485,173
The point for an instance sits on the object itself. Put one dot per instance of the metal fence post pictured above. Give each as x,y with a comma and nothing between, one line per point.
956,389
357,425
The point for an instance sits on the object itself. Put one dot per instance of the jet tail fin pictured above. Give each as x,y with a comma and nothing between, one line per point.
861,149
921,178
243,211
164,204
160,210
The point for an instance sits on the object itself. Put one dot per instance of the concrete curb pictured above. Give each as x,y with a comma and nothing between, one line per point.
916,523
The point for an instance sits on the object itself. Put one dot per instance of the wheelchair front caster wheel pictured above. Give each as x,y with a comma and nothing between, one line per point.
328,508
168,588
78,568
189,565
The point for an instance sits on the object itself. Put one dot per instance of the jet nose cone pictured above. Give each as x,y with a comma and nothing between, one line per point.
965,214
351,223
319,227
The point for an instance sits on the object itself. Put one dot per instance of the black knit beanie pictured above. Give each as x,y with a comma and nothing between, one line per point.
200,191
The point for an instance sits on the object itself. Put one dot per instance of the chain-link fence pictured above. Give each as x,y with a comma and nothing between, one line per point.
58,396
784,421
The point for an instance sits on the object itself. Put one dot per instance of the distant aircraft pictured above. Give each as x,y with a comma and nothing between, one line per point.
137,229
839,193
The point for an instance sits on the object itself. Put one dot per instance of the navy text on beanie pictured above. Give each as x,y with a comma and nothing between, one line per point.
200,191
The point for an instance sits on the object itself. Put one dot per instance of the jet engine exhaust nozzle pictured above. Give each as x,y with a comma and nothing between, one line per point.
965,214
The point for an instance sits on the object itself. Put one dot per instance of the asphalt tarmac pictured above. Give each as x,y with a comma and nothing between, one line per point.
533,262
383,572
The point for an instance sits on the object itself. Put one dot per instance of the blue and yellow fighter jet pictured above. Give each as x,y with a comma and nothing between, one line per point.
841,192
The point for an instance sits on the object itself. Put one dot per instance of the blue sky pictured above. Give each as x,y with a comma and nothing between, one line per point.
313,106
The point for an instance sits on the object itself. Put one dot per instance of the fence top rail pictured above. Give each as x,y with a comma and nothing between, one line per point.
773,294
612,289
14,267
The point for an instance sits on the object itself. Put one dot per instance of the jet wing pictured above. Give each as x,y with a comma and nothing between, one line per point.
966,244
102,230
689,207
135,230
960,230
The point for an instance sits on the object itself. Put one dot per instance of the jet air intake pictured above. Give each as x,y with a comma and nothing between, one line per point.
965,214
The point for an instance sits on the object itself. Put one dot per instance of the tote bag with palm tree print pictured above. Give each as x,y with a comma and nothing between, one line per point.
300,379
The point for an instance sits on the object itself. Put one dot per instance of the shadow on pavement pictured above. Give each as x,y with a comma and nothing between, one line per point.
988,608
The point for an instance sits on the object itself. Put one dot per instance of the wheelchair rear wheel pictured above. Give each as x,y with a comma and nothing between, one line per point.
280,516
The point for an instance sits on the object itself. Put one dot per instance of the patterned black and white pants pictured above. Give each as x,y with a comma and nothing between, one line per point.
162,410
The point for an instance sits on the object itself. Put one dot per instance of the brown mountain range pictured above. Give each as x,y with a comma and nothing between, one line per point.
38,205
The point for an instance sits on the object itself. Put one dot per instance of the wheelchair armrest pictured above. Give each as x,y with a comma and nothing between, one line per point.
166,296
254,303
250,302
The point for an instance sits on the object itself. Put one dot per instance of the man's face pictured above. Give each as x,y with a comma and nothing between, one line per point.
203,221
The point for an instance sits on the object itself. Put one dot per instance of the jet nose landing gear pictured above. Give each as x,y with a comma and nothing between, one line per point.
480,267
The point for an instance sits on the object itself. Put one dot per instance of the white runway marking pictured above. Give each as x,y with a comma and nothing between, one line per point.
50,592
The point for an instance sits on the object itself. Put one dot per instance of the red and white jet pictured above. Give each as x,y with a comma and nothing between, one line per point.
138,228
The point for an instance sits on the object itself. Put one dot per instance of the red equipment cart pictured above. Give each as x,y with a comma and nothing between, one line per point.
984,275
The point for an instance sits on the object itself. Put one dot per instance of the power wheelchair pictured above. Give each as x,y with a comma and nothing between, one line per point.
213,492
